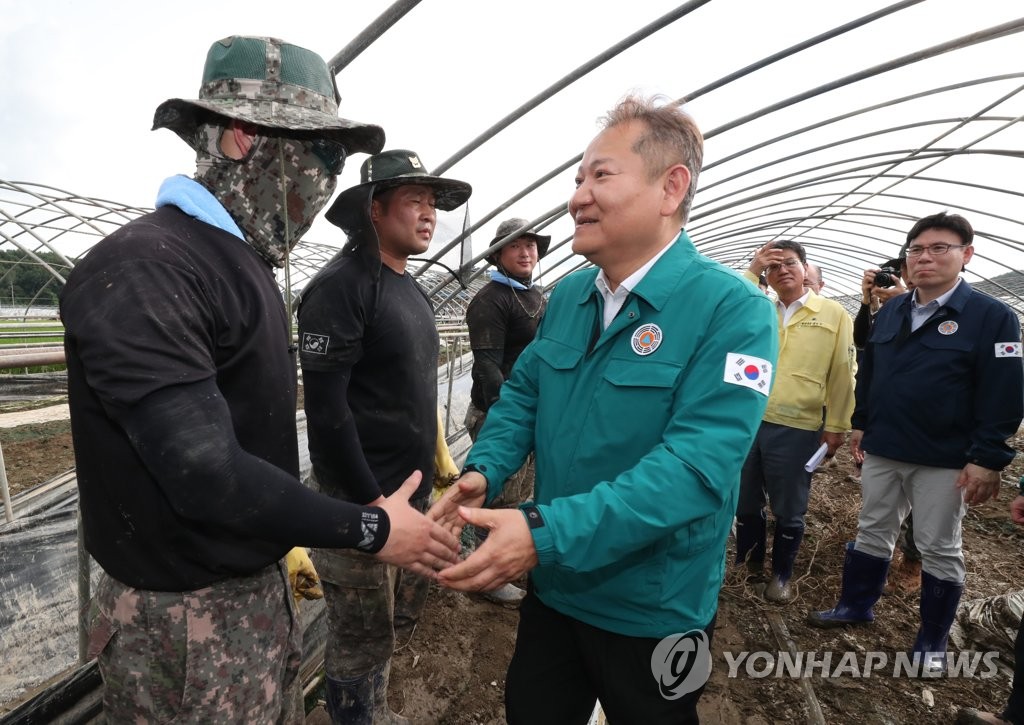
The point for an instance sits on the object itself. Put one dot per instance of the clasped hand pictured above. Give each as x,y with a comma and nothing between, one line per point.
506,554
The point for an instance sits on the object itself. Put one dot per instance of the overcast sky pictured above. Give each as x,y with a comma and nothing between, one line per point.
82,78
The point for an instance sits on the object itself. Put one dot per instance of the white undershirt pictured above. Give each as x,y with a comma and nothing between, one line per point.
788,312
613,301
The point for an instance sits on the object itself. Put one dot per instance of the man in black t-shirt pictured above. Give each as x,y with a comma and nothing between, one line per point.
181,384
369,351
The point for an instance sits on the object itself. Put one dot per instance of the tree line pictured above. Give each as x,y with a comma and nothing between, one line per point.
24,281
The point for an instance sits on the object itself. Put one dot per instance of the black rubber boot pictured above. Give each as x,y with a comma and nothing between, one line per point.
751,536
350,700
785,546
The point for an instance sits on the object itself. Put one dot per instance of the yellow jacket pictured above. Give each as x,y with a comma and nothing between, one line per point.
816,367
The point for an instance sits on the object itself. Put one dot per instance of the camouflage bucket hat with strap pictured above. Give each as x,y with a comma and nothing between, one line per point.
270,83
387,170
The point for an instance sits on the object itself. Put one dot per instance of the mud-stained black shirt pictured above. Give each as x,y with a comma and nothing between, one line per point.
500,328
369,354
181,385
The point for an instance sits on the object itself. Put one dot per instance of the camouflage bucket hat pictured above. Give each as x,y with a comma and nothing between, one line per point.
270,83
387,170
511,227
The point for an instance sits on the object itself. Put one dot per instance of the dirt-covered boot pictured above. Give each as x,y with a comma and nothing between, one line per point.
382,714
350,700
784,549
751,537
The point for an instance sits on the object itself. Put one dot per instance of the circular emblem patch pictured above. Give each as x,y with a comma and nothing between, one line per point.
948,327
646,339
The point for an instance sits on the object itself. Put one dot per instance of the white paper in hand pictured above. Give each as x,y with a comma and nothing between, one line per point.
815,460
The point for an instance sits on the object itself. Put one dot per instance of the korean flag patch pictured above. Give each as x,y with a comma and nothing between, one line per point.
315,344
1008,349
748,371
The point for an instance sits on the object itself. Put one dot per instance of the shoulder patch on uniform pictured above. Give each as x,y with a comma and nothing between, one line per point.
1008,349
315,344
748,371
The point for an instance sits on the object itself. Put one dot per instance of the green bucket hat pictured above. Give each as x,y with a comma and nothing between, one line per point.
270,83
387,170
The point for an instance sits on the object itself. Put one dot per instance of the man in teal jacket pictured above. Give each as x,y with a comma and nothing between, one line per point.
641,395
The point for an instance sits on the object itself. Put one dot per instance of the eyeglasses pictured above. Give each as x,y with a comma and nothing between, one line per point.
331,153
787,263
935,250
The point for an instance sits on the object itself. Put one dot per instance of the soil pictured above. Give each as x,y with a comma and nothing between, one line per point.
453,669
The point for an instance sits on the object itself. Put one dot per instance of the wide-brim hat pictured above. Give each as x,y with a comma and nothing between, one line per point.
511,227
388,170
269,83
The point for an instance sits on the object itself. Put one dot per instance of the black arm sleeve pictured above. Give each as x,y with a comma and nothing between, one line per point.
185,438
862,326
487,373
334,443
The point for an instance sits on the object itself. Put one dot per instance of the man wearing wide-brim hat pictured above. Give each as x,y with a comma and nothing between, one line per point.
182,390
502,319
369,351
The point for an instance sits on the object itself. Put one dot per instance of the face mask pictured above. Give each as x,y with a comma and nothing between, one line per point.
276,191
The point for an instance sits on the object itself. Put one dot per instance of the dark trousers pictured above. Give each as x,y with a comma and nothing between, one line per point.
561,667
1014,711
774,468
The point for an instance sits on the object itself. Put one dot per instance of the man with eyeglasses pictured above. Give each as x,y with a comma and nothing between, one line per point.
939,391
810,405
182,389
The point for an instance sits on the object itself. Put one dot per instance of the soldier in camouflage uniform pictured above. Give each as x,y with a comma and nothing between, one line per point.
182,384
369,351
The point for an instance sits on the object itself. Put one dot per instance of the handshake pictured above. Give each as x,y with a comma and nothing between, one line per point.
428,544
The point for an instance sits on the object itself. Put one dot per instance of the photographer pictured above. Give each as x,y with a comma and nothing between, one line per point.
878,286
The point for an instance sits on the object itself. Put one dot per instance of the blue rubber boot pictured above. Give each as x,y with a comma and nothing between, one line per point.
784,548
863,582
751,536
939,600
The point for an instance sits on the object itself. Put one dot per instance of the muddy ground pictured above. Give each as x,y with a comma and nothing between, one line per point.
453,669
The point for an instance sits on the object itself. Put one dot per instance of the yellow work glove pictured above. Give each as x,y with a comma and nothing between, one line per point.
445,470
302,575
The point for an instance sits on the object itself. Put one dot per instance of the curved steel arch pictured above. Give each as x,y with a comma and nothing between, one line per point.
36,219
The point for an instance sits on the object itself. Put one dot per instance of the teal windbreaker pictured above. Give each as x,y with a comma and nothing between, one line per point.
640,433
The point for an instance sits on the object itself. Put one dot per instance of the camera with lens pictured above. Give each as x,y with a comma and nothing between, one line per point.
888,274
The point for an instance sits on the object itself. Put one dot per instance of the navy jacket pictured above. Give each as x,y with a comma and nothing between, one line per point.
947,394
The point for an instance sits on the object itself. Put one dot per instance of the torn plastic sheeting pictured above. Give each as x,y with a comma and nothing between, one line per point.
39,595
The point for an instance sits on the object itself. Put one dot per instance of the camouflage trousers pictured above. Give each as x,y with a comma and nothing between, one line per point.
366,602
227,653
519,486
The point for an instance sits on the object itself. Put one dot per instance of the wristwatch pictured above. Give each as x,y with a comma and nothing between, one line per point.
1020,486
